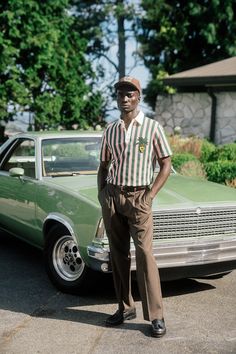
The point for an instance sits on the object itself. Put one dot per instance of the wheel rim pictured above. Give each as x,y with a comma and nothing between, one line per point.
66,259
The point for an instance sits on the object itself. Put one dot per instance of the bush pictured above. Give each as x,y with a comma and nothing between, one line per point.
224,153
179,159
220,171
231,183
193,169
191,145
199,157
207,151
220,163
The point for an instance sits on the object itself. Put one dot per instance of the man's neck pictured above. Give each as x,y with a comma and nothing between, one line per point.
127,117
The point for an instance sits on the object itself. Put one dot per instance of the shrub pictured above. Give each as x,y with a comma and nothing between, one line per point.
231,183
220,153
179,159
207,151
199,157
193,169
191,145
225,152
220,171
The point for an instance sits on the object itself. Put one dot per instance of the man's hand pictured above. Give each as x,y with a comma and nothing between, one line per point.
165,168
102,175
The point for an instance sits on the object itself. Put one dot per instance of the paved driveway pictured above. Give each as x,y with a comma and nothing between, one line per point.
35,318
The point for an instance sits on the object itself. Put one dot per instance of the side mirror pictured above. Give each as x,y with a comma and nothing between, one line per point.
16,172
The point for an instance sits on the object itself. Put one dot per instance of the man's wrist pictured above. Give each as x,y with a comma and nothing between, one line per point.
152,194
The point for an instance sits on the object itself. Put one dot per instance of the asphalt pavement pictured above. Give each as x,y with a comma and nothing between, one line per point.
35,318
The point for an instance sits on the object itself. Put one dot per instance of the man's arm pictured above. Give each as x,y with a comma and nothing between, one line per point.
102,175
165,168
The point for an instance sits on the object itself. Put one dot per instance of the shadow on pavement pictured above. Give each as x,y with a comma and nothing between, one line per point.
25,288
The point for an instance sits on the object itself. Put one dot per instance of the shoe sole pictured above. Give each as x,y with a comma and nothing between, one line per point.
128,317
156,335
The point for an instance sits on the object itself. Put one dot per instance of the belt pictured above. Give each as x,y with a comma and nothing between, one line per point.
130,188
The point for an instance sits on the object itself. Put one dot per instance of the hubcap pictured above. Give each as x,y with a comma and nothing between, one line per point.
66,259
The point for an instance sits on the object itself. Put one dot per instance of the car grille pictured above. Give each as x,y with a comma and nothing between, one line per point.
199,222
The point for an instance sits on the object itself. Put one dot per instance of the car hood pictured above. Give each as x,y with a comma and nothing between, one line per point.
187,192
178,192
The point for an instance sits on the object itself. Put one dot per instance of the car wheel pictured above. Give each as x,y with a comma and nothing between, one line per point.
64,265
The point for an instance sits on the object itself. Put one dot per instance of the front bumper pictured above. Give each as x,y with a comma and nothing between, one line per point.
182,254
194,252
99,258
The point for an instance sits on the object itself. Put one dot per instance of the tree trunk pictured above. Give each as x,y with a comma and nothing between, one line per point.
3,138
121,42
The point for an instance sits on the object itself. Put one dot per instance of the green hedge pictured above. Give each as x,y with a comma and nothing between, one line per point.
220,171
207,151
210,152
216,163
180,159
219,162
224,153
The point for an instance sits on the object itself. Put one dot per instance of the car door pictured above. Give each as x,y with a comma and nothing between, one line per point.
17,194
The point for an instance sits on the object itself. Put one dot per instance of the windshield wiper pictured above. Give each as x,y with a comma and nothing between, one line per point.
62,174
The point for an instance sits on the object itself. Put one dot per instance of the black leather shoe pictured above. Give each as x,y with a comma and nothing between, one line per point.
120,316
158,328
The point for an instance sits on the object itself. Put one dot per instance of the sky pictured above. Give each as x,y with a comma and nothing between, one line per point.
138,70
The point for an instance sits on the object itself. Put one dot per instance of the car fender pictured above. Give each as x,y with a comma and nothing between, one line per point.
55,217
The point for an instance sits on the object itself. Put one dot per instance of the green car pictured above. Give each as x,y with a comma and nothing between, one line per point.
48,198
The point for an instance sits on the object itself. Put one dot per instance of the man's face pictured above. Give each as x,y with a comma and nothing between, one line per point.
127,99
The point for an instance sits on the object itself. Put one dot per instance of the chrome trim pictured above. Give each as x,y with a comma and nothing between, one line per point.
185,253
38,157
100,232
186,237
61,219
67,260
194,222
190,252
99,253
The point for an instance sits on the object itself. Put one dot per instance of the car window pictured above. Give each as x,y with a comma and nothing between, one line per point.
23,156
70,156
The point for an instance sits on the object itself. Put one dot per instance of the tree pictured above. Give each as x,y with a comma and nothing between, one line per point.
179,35
110,23
106,25
43,65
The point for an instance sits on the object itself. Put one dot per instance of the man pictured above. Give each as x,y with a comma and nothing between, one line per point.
130,149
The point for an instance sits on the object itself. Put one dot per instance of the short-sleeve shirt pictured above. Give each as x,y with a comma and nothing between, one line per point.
133,153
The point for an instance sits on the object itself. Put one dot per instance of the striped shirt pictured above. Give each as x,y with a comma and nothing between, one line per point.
133,153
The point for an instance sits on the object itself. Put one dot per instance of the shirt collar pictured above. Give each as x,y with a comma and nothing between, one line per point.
139,118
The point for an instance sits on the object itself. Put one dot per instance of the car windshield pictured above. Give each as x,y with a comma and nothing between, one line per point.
70,156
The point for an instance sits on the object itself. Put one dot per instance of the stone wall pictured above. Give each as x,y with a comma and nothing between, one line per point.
192,113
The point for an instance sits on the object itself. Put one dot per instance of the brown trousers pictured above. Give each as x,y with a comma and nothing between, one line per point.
129,214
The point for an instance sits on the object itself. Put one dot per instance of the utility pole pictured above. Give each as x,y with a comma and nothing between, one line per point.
121,39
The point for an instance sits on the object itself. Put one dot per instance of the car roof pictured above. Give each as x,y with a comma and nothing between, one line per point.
59,134
43,135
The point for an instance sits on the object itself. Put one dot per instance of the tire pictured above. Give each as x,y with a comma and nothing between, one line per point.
64,265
